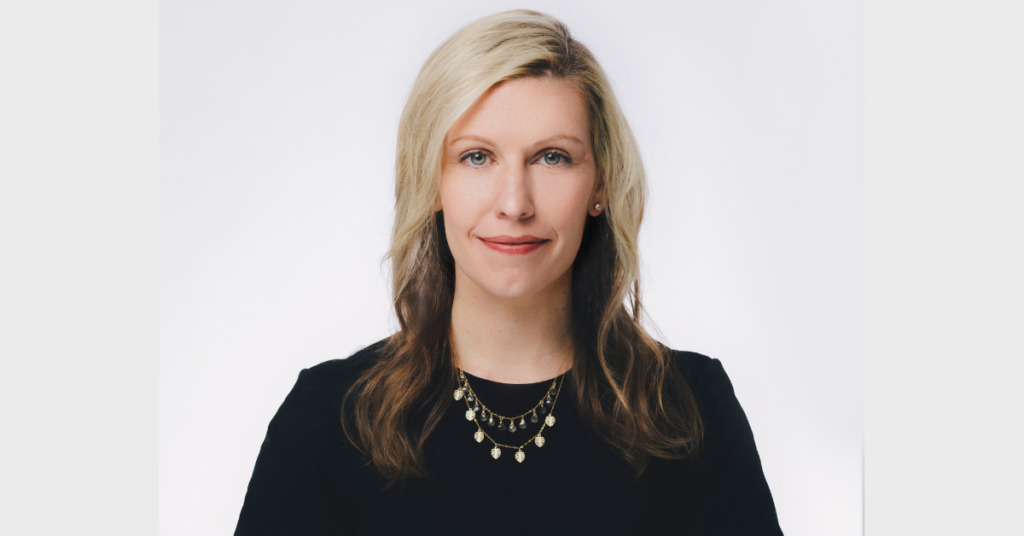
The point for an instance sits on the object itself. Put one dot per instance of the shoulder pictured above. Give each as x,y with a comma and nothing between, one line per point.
341,372
700,371
736,498
693,365
296,478
318,392
707,380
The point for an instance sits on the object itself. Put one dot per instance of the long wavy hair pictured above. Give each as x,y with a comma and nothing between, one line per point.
626,385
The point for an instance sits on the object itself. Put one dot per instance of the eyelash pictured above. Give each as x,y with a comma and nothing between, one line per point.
565,157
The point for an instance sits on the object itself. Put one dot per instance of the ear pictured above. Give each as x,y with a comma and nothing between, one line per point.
437,204
597,198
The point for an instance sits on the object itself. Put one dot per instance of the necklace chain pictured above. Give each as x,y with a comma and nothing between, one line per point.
476,411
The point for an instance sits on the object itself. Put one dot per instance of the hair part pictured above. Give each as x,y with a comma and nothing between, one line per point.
627,388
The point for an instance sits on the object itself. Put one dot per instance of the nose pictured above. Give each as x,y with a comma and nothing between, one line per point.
514,198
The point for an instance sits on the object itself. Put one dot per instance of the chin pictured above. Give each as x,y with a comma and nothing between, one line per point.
510,287
509,284
511,290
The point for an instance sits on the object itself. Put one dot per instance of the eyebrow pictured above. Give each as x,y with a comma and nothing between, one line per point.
542,142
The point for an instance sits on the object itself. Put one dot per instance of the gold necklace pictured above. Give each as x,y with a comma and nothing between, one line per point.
478,413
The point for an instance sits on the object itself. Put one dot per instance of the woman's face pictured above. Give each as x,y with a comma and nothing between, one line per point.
517,182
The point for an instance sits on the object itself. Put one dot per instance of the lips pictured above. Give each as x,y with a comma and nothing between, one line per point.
514,245
505,239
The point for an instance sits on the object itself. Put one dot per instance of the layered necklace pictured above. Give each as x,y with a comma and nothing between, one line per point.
482,416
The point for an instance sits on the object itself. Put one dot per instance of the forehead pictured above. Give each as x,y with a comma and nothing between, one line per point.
525,108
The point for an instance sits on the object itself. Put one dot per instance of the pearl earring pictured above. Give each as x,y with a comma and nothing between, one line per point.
597,206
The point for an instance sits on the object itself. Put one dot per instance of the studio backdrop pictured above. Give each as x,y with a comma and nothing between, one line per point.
278,128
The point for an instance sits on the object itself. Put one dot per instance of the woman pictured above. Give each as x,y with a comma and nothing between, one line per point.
521,394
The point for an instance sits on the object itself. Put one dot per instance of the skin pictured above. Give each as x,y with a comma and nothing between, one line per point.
518,162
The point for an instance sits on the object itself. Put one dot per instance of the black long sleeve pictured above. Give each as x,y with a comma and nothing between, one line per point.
309,481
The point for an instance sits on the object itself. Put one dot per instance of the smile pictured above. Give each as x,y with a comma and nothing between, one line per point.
514,245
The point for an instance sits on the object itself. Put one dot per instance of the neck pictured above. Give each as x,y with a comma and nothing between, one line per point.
512,340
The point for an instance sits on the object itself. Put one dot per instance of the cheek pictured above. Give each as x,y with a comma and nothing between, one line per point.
568,205
462,205
462,210
572,232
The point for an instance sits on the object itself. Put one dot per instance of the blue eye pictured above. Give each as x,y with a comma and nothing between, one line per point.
553,158
475,158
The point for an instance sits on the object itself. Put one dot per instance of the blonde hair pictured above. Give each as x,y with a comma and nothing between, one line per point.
614,355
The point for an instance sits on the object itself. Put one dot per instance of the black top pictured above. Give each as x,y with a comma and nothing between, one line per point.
310,481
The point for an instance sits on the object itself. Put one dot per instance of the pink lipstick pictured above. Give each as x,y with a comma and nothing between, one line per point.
514,245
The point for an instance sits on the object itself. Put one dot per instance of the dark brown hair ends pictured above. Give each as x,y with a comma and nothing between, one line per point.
391,410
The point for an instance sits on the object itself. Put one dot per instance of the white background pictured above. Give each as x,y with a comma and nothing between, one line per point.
278,123
79,276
